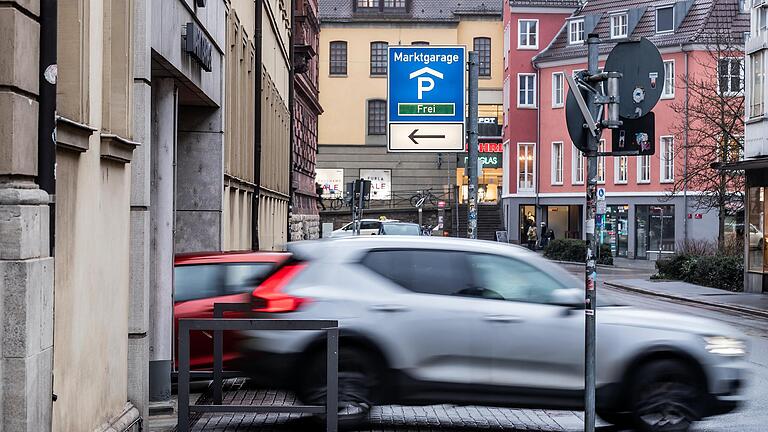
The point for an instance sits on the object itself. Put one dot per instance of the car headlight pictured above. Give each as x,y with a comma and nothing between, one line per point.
725,346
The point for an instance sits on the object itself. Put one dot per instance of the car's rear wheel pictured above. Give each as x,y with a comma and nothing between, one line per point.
359,374
666,397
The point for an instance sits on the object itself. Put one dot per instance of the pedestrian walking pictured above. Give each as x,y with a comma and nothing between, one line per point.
532,237
543,237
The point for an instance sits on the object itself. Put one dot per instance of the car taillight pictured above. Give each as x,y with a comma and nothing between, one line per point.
268,297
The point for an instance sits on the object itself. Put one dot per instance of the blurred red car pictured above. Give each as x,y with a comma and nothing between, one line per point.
203,279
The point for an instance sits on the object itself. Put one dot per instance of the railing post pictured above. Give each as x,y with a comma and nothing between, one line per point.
218,354
183,383
332,381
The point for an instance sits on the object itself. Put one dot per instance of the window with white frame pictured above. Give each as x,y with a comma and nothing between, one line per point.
668,92
601,163
644,169
667,156
578,166
621,169
730,74
525,164
526,90
557,89
557,163
505,102
527,34
757,83
506,46
576,31
760,19
665,19
619,25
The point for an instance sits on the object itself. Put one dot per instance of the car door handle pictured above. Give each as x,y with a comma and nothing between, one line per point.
503,318
389,308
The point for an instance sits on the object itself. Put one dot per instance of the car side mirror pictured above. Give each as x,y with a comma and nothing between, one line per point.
572,298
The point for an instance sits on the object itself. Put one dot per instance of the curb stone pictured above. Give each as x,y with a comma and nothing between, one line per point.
741,309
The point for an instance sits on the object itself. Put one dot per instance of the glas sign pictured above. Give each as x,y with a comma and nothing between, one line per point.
198,46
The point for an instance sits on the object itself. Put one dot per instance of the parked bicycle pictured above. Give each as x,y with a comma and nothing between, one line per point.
423,197
336,203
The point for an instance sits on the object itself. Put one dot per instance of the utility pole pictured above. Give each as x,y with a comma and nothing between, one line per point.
590,276
474,72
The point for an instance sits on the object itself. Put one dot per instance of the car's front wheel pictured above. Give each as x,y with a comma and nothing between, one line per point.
358,377
666,397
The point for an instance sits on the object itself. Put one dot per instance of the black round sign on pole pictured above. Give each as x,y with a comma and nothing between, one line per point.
642,81
575,121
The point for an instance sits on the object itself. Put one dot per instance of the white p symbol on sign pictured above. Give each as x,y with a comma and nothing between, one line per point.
425,83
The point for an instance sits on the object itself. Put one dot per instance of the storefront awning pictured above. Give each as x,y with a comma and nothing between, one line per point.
746,164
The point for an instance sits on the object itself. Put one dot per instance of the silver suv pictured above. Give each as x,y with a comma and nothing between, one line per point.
440,320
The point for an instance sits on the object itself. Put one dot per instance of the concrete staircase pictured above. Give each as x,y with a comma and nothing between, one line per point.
489,220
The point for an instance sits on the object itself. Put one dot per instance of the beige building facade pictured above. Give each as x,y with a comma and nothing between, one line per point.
352,133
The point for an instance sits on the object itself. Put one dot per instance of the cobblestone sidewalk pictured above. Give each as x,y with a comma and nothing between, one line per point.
392,418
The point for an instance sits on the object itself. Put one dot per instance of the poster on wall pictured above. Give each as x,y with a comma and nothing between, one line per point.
381,182
332,180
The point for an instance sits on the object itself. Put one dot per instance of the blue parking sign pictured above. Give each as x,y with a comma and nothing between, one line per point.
426,95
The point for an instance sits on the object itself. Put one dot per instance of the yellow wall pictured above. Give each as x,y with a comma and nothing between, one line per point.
344,98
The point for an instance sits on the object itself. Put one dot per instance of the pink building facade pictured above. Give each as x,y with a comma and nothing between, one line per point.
545,173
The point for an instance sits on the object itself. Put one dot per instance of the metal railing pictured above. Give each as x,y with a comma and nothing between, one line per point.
218,325
397,200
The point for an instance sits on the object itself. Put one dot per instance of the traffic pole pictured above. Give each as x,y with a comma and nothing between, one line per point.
590,276
474,72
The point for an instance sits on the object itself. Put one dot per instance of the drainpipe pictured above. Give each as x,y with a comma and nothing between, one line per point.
292,114
46,126
685,149
538,143
256,127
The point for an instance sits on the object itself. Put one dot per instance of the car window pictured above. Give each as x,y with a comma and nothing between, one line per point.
424,271
242,278
370,225
347,227
192,282
401,229
505,278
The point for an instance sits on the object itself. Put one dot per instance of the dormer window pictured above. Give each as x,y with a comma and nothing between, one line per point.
665,19
380,5
576,31
619,24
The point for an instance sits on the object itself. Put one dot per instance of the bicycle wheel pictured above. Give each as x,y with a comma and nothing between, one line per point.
336,203
415,200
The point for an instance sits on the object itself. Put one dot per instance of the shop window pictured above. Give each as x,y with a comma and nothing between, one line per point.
756,239
654,230
614,230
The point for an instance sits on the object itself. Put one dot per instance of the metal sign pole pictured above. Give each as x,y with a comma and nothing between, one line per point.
474,71
590,276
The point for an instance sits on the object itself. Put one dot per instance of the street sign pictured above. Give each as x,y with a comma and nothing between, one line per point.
574,120
600,194
642,80
602,207
635,136
426,98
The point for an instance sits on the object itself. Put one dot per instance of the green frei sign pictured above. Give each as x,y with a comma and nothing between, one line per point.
426,109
